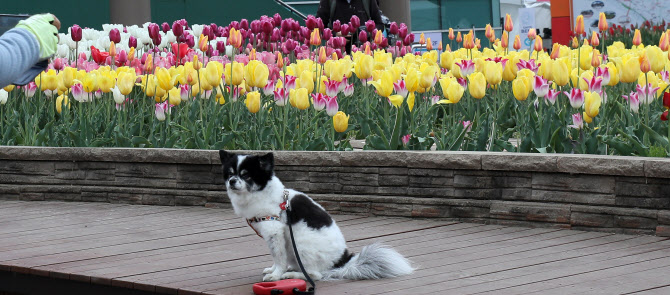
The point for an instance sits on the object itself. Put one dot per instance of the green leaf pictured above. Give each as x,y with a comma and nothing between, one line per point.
139,140
376,143
663,141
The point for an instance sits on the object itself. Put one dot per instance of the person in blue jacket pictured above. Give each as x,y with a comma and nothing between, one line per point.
25,50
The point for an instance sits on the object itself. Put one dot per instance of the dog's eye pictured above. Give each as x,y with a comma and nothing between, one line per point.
231,171
244,174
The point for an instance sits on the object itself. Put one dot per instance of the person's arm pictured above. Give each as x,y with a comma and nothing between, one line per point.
19,51
324,12
375,15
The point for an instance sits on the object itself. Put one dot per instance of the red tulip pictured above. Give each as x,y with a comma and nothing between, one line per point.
98,56
183,49
666,100
75,33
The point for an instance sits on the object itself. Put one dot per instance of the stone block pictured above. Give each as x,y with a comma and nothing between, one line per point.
519,162
63,197
391,209
359,190
352,178
146,170
430,181
572,197
355,207
576,183
663,217
9,197
330,206
301,158
31,197
292,175
392,191
663,231
322,177
528,211
516,194
444,160
374,159
651,203
481,194
189,201
329,188
393,180
466,181
635,222
592,220
100,175
615,211
513,181
659,168
430,192
642,190
469,212
393,171
87,196
447,173
601,165
127,198
431,211
28,167
160,200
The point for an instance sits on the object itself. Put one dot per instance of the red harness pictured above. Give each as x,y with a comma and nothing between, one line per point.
282,206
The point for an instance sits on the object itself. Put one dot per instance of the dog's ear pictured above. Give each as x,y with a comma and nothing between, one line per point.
267,162
225,156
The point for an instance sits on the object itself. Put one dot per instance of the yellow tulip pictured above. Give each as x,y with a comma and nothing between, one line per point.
364,66
174,96
148,85
299,98
49,81
585,55
519,89
455,92
446,60
256,74
493,72
586,118
509,72
592,101
306,80
220,98
428,77
90,83
9,87
237,75
204,81
253,102
560,72
126,82
477,85
630,70
412,80
649,79
61,101
106,83
614,74
340,122
164,79
585,76
384,85
396,100
657,58
545,69
69,74
411,98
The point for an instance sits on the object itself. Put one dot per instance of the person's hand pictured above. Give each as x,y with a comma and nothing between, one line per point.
45,28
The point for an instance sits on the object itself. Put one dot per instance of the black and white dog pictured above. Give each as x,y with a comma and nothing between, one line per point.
260,197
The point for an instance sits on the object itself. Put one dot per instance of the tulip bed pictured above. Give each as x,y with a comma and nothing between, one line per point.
275,84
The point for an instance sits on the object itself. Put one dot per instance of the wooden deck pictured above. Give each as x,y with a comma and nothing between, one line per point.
194,250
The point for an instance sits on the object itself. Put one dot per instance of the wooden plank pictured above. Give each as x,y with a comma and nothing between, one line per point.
665,290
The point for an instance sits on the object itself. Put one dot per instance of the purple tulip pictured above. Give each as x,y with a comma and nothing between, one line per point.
157,40
165,27
345,29
319,24
115,36
337,26
214,27
235,24
276,20
310,22
221,46
355,21
295,25
206,31
276,32
190,41
402,31
407,41
393,29
266,27
363,36
132,42
304,32
225,32
75,33
370,25
398,43
327,34
255,26
244,24
385,43
177,29
285,25
153,30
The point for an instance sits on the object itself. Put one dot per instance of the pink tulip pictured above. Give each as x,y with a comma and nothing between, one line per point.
355,21
58,64
337,26
269,88
604,73
467,125
153,30
319,101
289,82
647,93
405,139
400,88
332,87
402,31
345,29
78,93
467,67
665,75
184,91
276,19
121,58
281,96
552,95
541,86
522,64
310,22
576,97
327,34
363,36
633,101
348,90
577,121
331,105
393,29
165,27
161,109
370,25
434,99
595,84
30,89
177,29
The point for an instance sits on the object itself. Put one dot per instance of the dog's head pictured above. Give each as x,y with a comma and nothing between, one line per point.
246,173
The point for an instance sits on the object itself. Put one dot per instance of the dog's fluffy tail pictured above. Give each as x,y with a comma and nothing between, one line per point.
374,262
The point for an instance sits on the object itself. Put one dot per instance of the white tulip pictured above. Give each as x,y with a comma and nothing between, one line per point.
3,96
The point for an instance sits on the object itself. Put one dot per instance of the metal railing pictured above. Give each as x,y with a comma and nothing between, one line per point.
290,8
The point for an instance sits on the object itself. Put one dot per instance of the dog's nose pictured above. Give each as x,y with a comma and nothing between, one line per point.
232,181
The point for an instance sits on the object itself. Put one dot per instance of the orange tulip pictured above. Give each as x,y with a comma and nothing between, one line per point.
504,40
575,42
439,46
422,39
322,55
235,38
538,44
595,41
429,44
112,49
509,26
556,51
252,54
602,22
579,26
280,61
517,43
451,34
459,38
645,65
149,64
315,38
664,43
490,34
531,34
595,59
448,48
637,38
379,37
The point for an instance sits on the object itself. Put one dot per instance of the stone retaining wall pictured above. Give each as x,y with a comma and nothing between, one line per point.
614,194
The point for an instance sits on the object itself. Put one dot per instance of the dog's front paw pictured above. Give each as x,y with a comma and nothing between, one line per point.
271,277
269,269
293,275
